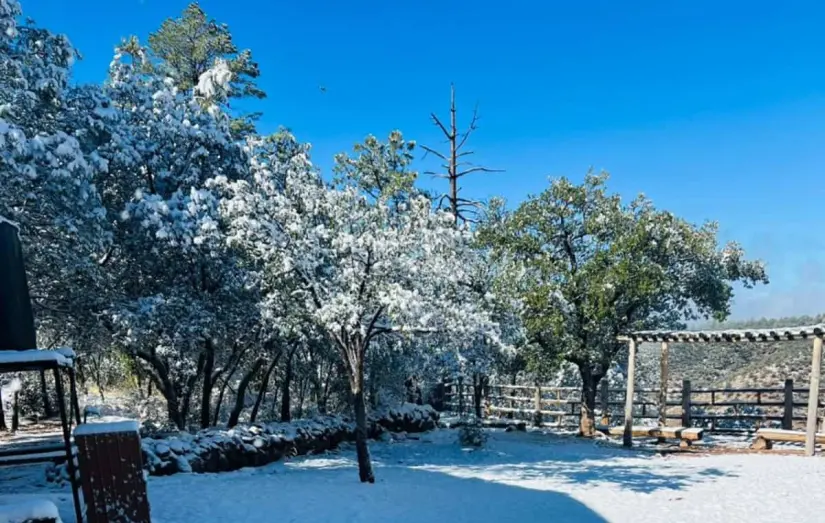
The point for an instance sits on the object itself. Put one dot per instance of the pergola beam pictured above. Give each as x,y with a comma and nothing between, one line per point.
729,336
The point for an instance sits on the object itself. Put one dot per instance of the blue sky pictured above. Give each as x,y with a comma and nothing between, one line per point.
715,110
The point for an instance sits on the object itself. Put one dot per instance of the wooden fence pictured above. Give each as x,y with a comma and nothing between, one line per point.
716,409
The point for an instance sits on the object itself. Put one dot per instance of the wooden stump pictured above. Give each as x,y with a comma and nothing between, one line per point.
761,443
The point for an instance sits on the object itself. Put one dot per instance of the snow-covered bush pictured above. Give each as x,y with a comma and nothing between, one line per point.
472,434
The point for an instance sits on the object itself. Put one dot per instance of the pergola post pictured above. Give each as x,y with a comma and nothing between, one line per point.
663,387
813,397
627,440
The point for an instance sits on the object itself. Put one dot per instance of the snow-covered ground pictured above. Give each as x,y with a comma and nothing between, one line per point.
519,477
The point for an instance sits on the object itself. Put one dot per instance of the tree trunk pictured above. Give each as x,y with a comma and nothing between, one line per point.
302,389
15,412
374,398
364,463
2,413
274,405
286,399
217,413
478,389
590,386
241,394
208,385
409,388
44,391
262,392
174,414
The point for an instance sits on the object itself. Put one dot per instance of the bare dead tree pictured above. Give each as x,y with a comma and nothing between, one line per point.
455,166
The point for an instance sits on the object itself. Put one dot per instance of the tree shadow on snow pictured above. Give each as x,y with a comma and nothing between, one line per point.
568,461
441,497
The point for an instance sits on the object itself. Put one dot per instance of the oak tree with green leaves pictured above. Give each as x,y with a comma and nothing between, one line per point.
588,267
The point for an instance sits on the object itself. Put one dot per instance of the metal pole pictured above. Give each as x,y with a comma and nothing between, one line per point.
67,439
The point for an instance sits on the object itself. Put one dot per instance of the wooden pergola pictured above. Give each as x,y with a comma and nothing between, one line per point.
812,332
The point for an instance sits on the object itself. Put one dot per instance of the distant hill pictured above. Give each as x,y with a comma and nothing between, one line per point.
745,364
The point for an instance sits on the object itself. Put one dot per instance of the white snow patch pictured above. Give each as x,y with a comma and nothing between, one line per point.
522,477
32,509
89,429
33,356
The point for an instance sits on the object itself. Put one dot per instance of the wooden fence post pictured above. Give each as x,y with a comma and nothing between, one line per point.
663,387
686,419
537,405
813,398
605,397
627,438
787,417
460,396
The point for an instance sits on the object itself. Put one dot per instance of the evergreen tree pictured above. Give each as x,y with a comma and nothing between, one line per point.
193,44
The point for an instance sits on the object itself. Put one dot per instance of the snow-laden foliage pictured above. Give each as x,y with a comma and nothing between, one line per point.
360,268
48,170
192,295
363,267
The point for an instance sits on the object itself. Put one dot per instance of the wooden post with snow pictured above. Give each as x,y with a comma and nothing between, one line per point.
813,397
627,439
663,387
111,470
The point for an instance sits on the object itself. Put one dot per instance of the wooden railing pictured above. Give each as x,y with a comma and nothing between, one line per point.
717,409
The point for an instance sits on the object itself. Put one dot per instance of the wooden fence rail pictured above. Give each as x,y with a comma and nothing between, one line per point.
561,406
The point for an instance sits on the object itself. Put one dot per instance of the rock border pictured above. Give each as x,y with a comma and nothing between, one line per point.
223,450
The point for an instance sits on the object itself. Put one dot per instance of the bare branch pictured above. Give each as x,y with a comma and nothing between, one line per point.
433,151
441,126
478,169
472,127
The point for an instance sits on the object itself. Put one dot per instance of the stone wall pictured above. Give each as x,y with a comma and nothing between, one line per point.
219,450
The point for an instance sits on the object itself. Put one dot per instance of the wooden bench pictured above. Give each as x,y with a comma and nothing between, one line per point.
765,438
685,435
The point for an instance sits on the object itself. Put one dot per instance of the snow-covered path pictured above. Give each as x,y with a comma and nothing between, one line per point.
523,478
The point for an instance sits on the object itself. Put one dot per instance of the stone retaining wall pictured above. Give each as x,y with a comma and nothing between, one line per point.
219,450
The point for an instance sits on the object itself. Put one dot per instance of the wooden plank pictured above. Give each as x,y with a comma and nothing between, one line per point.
690,434
790,436
528,411
56,456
